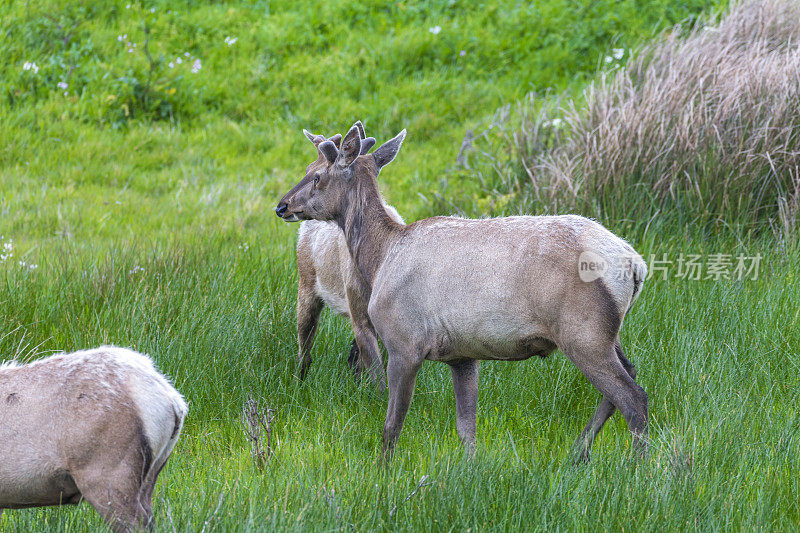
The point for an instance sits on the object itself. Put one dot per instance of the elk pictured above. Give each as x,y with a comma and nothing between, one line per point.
95,425
459,291
327,276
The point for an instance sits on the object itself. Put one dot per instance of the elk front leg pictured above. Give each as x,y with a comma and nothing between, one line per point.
402,374
353,359
369,353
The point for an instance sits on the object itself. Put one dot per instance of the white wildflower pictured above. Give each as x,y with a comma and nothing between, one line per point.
618,53
62,85
171,64
244,246
7,250
435,29
231,40
30,66
187,54
136,270
609,59
196,66
152,10
179,61
462,53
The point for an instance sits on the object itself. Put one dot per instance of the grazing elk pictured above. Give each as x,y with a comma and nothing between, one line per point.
327,276
97,425
457,290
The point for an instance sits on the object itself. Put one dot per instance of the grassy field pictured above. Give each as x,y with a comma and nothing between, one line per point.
155,230
718,360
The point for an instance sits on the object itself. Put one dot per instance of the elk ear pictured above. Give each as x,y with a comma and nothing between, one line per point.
316,139
386,153
367,144
328,149
360,127
351,148
336,139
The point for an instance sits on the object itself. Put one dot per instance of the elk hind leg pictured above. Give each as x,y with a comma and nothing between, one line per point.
612,374
309,307
580,451
115,496
465,386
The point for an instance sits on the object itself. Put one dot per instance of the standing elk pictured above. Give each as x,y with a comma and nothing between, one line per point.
327,276
458,290
96,425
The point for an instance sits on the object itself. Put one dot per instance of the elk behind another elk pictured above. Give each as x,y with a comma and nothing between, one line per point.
97,425
457,290
328,276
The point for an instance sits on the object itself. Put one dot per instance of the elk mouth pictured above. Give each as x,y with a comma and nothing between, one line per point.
282,210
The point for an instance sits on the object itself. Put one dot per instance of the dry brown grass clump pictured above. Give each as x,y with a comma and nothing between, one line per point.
706,121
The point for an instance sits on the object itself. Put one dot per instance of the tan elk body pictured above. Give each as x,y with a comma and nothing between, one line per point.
458,290
95,425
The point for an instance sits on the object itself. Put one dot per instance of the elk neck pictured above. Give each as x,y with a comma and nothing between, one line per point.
368,229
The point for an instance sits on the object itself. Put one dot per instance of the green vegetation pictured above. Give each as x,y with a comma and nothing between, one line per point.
124,133
718,359
155,230
699,126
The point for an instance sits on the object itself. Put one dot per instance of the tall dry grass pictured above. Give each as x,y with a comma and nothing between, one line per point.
705,122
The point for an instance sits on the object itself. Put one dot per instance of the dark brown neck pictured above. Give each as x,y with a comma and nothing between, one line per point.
368,228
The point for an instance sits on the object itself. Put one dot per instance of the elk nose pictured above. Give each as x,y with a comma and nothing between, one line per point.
281,209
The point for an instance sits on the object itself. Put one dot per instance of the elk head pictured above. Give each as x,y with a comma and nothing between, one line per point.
320,195
283,210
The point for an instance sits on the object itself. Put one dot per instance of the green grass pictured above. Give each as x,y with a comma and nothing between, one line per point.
137,224
718,360
306,64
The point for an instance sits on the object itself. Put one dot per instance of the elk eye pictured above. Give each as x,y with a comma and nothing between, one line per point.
316,178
